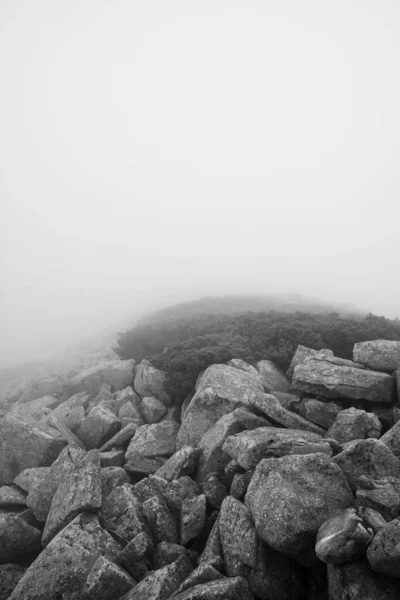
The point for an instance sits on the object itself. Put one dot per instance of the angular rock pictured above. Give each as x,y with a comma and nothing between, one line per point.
272,408
114,458
152,409
150,381
291,497
150,441
23,446
343,538
9,576
237,363
232,588
276,576
391,439
122,513
272,377
179,490
181,463
106,581
117,373
121,438
212,553
193,518
161,584
128,411
332,381
79,491
370,458
166,553
249,447
382,495
354,424
318,412
71,412
139,465
238,537
47,386
356,581
215,491
384,552
17,538
127,395
303,353
61,569
160,520
379,355
99,426
12,497
240,483
204,573
111,478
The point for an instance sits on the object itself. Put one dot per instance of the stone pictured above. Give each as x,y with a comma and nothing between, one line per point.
9,576
17,538
166,553
229,588
343,538
128,411
212,553
238,538
370,458
99,426
139,465
160,520
150,441
220,390
121,438
318,412
152,409
117,373
137,556
356,581
106,581
379,355
23,446
383,553
231,469
150,381
273,409
272,377
332,381
249,447
354,424
214,490
181,463
179,490
12,497
112,477
291,497
303,353
289,401
34,409
79,491
122,514
237,363
382,495
193,518
204,573
161,584
239,484
61,568
275,576
113,458
391,439
126,395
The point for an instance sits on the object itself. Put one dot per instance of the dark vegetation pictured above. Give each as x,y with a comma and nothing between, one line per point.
184,345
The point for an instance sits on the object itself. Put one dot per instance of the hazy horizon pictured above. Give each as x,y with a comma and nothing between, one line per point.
157,152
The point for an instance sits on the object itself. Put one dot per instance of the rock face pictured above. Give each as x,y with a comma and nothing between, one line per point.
117,373
291,497
23,446
379,355
332,381
272,378
355,424
150,381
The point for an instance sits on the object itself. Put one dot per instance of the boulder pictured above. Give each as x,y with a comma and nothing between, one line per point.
242,365
212,553
34,409
193,517
140,465
319,412
112,458
270,406
228,588
23,446
121,438
276,576
181,463
179,490
17,538
379,355
150,381
162,525
249,447
122,514
47,386
291,497
111,478
152,409
71,412
117,373
137,556
370,458
99,426
384,552
78,491
331,381
382,495
11,497
106,581
343,538
61,568
354,424
391,439
152,441
204,573
303,353
238,538
272,377
214,490
356,581
9,576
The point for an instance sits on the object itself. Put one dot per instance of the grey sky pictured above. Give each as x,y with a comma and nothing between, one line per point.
154,151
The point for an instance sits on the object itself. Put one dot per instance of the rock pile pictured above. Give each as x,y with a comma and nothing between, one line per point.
260,486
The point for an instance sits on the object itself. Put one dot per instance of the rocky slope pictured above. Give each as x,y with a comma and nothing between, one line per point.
260,485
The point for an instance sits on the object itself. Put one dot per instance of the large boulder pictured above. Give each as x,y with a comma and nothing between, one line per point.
117,373
154,440
150,381
61,569
322,378
220,390
379,355
98,427
23,446
356,581
303,353
272,377
238,537
290,498
355,424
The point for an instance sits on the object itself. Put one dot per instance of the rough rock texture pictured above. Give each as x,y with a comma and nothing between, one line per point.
106,581
343,538
150,441
270,406
9,576
233,588
17,538
117,373
242,365
23,446
355,581
181,463
150,381
379,355
249,447
71,412
276,576
291,497
272,378
384,552
391,439
318,412
122,513
11,496
162,525
99,426
303,353
332,381
355,424
80,490
60,570
161,584
382,495
238,538
152,409
120,438
193,517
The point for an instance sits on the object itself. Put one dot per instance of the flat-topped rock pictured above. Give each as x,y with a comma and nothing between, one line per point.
272,377
380,355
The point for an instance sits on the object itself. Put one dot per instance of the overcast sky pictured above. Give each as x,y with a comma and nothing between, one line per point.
155,151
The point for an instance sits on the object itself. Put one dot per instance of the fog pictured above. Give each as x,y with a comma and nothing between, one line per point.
158,151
